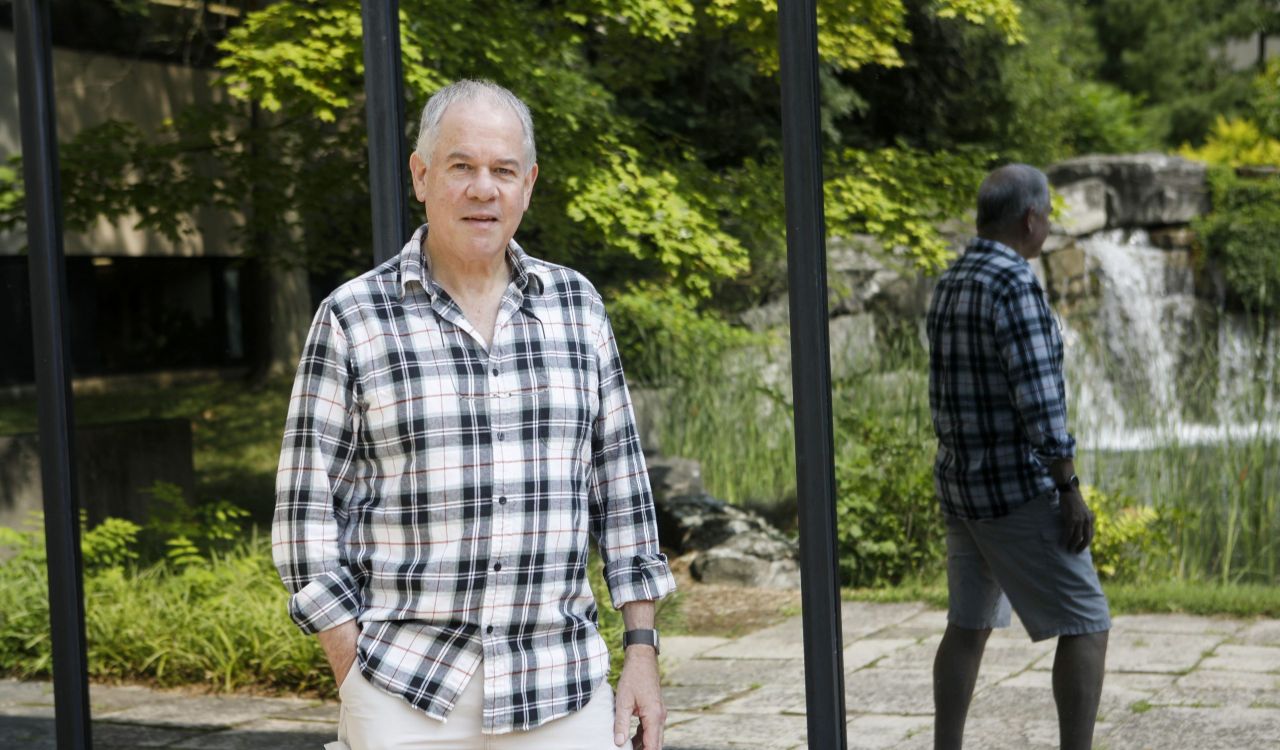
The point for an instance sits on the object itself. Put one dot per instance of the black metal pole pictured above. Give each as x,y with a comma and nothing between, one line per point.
53,390
811,374
384,112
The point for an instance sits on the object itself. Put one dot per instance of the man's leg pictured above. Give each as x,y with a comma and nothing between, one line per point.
955,672
1077,686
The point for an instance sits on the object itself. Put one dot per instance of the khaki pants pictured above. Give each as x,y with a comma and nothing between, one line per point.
373,720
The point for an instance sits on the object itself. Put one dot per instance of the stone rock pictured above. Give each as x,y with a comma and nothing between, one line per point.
731,566
1142,190
852,342
730,545
647,404
772,314
1066,274
1173,238
1085,211
674,477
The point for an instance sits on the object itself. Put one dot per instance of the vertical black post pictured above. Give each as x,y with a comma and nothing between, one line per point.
811,374
53,391
384,112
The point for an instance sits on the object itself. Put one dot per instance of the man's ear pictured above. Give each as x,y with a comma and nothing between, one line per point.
530,179
418,171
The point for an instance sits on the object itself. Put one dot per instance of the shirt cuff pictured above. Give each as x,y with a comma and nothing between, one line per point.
1055,449
640,578
326,602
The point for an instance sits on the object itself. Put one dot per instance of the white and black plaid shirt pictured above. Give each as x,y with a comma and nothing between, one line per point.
996,389
443,495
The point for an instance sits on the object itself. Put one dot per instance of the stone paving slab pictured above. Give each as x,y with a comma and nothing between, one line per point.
1260,633
1244,659
879,731
1173,682
695,697
869,651
269,734
1183,624
196,711
14,692
1133,651
1218,728
1207,688
737,732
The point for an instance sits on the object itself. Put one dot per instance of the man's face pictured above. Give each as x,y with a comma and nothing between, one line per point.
1037,230
476,187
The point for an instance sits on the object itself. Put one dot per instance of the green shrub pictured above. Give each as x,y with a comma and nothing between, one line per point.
1129,536
1242,235
665,338
218,619
888,523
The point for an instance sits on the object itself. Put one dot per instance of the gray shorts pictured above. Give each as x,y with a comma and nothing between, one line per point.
1020,559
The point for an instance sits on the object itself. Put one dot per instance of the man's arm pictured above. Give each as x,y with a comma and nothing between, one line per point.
624,523
1026,335
315,475
639,691
339,646
1077,519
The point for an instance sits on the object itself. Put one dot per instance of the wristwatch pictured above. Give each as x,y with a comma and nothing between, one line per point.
644,636
1071,484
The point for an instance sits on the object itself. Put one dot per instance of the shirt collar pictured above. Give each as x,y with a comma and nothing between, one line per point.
982,244
414,268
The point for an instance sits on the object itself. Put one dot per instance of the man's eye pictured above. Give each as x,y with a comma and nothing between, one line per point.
504,171
460,167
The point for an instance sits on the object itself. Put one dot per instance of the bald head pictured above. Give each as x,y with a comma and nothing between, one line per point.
1006,195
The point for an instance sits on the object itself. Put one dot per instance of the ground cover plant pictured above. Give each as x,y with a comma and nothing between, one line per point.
209,610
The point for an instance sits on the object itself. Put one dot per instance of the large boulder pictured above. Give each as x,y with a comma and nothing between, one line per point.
729,545
1139,190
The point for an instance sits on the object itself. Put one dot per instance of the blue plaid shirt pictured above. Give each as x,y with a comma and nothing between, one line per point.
996,390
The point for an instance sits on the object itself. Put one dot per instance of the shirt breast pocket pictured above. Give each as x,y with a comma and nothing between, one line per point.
569,402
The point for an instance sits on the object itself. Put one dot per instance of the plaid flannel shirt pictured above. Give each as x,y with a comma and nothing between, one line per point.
996,389
443,495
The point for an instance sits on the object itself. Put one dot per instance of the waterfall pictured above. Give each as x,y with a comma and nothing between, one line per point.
1150,363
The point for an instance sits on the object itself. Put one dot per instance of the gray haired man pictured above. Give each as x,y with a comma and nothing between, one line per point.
1018,530
459,431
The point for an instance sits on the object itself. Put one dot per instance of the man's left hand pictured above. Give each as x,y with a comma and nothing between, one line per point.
639,694
1077,521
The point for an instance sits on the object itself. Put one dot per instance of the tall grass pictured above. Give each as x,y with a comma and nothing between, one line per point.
735,416
1209,463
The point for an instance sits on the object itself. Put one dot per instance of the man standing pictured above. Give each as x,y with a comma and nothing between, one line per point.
1018,530
459,428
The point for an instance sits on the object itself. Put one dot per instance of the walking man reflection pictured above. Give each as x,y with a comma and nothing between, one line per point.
1018,530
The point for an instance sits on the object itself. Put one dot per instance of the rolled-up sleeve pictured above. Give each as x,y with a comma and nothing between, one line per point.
623,517
1031,351
314,480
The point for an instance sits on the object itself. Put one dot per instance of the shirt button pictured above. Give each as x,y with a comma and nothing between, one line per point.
502,500
489,629
495,372
500,436
497,567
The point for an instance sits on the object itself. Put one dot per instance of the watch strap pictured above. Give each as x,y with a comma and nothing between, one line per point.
642,636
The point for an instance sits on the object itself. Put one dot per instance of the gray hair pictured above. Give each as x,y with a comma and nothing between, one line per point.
1007,193
467,90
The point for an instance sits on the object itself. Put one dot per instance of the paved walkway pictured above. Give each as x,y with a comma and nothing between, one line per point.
1173,682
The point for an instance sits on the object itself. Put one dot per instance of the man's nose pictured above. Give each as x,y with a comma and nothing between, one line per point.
483,186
